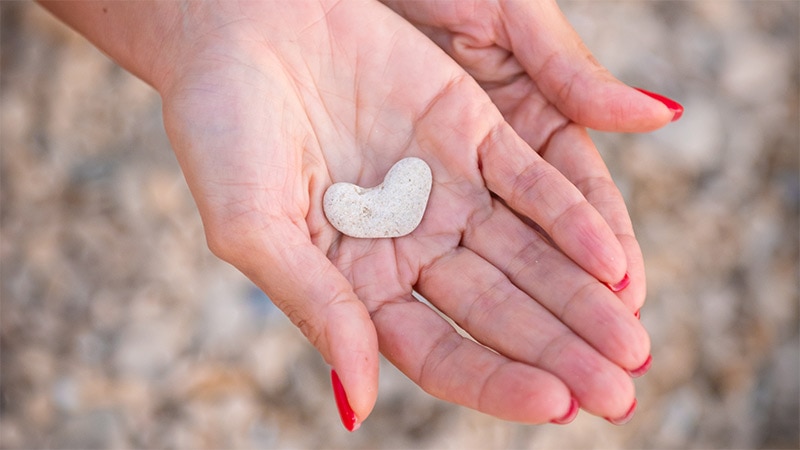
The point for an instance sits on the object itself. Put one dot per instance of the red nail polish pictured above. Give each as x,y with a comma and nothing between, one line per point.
635,373
626,418
675,107
570,415
638,314
622,284
345,411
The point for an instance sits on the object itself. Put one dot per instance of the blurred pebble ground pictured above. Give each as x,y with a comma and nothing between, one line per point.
119,329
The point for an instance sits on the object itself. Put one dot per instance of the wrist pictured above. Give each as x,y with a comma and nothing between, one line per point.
145,37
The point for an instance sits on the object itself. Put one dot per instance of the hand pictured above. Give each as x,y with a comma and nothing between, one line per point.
267,104
548,86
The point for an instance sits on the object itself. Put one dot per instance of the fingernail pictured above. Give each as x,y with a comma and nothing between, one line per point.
635,373
638,314
571,414
626,418
675,107
622,284
345,411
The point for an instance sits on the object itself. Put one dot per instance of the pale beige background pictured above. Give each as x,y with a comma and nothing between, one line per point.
118,328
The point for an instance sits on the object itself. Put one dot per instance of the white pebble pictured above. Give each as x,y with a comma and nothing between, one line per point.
393,208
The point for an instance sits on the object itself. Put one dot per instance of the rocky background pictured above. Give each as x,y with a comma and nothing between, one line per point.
118,328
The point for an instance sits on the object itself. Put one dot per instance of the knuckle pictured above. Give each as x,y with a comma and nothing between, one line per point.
527,184
307,327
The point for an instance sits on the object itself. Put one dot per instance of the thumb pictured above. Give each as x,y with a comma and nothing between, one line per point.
570,77
318,299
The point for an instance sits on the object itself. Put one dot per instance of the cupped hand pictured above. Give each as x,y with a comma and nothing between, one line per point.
548,86
272,102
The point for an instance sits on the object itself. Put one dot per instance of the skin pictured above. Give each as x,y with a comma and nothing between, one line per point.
268,103
549,87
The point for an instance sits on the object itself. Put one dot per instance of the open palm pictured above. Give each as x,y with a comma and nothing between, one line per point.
548,86
279,100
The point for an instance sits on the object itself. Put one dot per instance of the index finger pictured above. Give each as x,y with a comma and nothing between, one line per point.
573,153
569,76
534,188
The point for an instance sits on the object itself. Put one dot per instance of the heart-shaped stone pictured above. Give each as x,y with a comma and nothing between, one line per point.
393,208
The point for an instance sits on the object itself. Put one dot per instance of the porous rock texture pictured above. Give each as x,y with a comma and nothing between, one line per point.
394,208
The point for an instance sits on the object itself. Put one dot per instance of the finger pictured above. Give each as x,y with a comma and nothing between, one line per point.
576,298
565,71
307,287
534,188
572,152
448,366
635,294
496,313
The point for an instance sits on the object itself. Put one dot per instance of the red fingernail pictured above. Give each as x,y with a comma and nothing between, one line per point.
638,314
622,284
571,414
626,418
345,411
635,373
675,107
